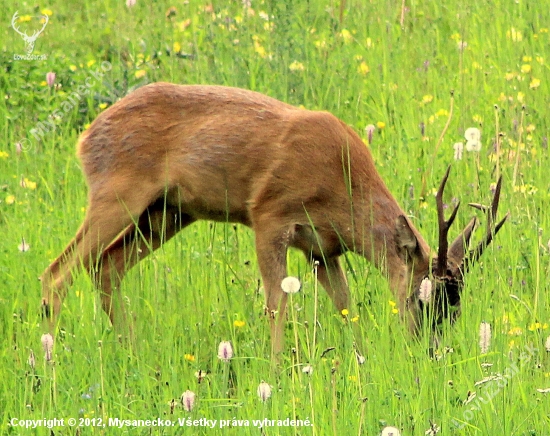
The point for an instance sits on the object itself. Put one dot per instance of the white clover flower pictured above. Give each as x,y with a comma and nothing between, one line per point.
47,345
425,291
290,285
264,391
369,130
458,147
225,351
188,400
484,337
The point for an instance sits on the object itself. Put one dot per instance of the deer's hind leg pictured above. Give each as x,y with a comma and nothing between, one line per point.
156,225
109,213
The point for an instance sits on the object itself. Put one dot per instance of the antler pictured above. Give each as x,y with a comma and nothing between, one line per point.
491,232
13,20
441,268
38,32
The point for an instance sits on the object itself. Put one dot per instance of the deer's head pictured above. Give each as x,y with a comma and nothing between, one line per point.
436,284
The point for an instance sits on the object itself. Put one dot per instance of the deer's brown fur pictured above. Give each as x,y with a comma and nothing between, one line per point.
168,155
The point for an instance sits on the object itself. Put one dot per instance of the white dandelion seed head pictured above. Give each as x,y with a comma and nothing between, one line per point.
47,345
484,337
390,431
264,391
425,291
472,134
225,351
188,400
473,146
290,285
360,358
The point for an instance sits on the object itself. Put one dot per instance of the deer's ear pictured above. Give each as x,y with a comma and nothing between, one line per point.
405,239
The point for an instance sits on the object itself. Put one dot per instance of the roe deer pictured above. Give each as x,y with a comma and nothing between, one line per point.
167,155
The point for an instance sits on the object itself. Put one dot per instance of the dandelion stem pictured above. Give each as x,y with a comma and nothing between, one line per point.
315,308
497,138
518,149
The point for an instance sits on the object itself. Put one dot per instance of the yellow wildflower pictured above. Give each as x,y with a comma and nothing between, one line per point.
140,73
514,35
427,99
189,357
4,155
259,49
26,183
363,68
380,124
526,68
47,12
520,97
239,323
296,66
346,35
10,199
176,47
527,58
537,326
534,84
24,18
355,318
345,312
515,331
510,76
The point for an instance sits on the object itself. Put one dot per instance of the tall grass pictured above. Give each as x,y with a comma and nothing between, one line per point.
204,286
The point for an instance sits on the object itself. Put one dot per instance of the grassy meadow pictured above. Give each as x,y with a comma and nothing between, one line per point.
421,73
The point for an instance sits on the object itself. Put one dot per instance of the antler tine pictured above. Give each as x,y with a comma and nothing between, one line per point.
491,230
13,24
443,227
47,19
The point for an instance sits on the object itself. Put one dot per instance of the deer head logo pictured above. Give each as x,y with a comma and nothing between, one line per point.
29,39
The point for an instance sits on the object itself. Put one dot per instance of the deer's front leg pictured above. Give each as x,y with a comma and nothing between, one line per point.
271,248
332,278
